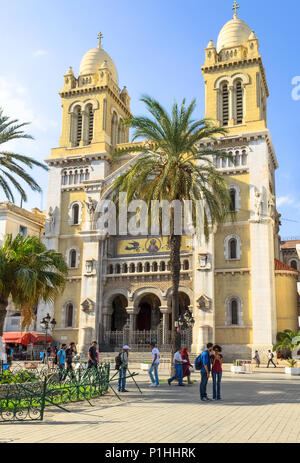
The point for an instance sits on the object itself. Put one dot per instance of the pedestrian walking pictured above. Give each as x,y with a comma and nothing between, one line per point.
186,366
92,355
123,368
270,359
154,366
216,371
177,360
205,371
70,354
61,361
257,359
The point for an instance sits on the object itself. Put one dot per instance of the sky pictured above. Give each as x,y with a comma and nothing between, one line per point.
158,48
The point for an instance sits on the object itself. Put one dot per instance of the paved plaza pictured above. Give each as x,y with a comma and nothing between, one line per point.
261,407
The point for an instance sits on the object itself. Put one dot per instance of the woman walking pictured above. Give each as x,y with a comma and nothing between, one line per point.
257,358
186,365
216,361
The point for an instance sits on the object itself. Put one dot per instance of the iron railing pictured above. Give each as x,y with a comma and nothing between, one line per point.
27,400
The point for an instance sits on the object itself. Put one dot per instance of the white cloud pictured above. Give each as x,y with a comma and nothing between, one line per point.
15,102
285,200
38,53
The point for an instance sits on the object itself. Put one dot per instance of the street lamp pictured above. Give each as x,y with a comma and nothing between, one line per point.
186,321
46,321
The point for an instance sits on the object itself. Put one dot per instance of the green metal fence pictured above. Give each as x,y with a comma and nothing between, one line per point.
27,400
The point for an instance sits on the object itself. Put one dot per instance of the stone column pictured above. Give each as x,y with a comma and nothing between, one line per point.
132,323
107,313
85,128
165,312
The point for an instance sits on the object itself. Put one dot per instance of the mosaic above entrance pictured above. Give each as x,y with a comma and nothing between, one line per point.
149,245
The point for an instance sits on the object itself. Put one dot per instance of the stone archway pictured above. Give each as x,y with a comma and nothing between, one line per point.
148,316
119,315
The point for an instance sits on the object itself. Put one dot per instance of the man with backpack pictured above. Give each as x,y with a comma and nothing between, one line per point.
270,359
203,363
122,365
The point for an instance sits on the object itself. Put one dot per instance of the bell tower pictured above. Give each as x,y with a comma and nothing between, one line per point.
94,107
236,89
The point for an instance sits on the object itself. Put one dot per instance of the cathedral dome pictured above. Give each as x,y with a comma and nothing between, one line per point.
236,32
94,59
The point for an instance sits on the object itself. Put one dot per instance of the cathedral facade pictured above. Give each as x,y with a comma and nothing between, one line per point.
119,287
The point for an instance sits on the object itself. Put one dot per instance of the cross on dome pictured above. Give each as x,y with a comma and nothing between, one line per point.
100,37
236,7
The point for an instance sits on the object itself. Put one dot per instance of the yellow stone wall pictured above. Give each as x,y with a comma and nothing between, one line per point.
225,286
286,301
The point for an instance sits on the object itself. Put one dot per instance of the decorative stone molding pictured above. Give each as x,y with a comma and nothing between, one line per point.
204,303
88,306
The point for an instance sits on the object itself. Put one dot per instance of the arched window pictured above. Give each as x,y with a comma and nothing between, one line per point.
73,258
139,267
90,123
76,176
110,269
154,267
75,214
232,200
186,265
234,312
225,104
69,315
118,269
147,267
162,266
233,248
239,103
132,268
64,178
244,158
294,264
125,268
78,126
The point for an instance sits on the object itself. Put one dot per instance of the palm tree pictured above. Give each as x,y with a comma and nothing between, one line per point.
175,169
10,169
287,341
29,273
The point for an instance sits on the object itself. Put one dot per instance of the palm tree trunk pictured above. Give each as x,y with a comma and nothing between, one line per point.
175,245
3,306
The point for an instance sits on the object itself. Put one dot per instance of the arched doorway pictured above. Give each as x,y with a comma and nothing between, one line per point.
149,315
119,315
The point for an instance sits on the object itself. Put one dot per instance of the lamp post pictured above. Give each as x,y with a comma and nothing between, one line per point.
45,324
186,321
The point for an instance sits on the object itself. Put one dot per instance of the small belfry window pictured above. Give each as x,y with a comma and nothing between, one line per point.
239,103
91,124
75,214
225,105
234,312
79,127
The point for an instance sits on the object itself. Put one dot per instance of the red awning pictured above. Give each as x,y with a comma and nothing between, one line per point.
25,338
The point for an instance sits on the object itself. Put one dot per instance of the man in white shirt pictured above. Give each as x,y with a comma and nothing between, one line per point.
154,366
177,359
